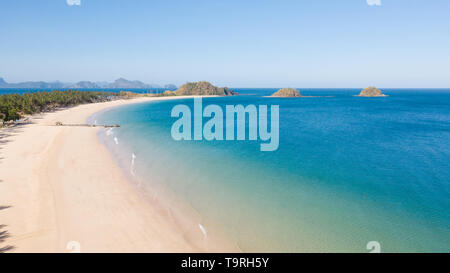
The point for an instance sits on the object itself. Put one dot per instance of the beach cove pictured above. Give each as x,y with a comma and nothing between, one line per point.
339,182
60,191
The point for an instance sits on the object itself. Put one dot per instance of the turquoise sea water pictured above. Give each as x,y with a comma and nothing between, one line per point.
348,170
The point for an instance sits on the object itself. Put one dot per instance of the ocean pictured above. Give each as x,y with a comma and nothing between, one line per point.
5,91
348,170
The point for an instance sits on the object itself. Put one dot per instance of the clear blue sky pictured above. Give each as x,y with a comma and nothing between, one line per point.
237,43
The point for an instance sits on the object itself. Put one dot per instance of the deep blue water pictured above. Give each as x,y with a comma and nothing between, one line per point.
116,90
348,170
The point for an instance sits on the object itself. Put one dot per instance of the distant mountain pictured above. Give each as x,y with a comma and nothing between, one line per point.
37,85
85,84
119,83
124,83
170,87
102,84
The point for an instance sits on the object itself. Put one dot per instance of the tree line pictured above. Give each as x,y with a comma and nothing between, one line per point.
15,106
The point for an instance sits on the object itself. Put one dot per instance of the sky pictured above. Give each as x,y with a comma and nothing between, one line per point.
235,43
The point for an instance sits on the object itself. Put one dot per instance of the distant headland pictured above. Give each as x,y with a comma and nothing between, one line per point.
117,84
371,91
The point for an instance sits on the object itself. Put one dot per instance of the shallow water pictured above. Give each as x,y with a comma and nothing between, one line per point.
348,170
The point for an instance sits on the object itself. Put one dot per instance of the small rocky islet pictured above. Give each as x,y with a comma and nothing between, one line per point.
287,93
371,91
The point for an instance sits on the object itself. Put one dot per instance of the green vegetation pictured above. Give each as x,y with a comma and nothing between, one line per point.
169,93
201,89
15,106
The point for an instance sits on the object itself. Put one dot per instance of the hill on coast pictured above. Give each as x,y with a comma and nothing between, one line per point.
202,88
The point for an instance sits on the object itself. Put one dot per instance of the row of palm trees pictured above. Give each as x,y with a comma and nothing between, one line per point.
15,106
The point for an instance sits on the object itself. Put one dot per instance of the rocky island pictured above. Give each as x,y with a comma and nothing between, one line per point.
287,93
200,89
371,92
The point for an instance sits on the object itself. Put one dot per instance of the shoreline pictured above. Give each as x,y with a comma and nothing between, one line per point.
61,191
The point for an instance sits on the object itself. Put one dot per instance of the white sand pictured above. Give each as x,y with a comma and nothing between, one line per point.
60,189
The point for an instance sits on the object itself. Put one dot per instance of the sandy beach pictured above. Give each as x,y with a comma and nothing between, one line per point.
60,191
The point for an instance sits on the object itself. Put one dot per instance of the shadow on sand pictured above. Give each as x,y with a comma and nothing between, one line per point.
4,234
4,207
6,134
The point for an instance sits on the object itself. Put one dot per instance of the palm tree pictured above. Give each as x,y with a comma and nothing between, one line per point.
2,119
14,106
